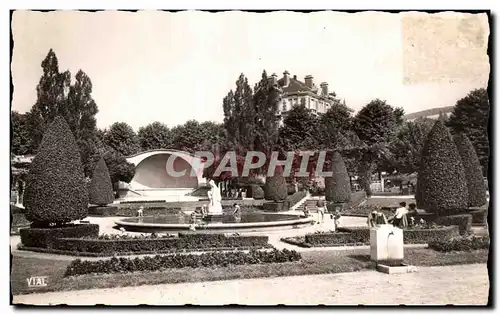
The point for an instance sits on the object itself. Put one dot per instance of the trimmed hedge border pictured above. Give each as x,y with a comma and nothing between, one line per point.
479,216
296,197
164,252
215,259
47,237
463,244
464,222
184,241
361,236
103,211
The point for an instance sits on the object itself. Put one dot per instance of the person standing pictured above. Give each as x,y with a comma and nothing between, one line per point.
321,210
140,211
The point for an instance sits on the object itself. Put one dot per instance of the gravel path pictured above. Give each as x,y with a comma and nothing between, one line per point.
464,284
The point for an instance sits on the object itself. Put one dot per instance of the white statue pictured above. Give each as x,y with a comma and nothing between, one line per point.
214,207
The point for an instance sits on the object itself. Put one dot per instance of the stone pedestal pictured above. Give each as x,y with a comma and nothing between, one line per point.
386,244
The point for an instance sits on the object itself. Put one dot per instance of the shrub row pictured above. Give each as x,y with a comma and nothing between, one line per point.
169,251
215,259
188,241
464,222
46,237
361,235
131,212
461,244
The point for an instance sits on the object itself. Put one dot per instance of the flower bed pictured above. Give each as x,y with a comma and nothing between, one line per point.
46,237
463,244
155,244
353,236
215,259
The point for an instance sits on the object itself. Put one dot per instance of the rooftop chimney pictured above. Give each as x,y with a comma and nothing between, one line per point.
273,79
324,88
286,78
309,81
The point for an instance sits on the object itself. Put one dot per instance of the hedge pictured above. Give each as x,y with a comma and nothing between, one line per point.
184,241
338,186
56,191
441,182
461,244
100,186
361,236
473,171
47,237
257,192
463,221
107,211
275,186
479,217
215,259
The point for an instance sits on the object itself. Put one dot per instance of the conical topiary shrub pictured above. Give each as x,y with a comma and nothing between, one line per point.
442,187
275,187
56,191
338,186
100,187
473,171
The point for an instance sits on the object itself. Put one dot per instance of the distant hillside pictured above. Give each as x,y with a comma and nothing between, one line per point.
429,112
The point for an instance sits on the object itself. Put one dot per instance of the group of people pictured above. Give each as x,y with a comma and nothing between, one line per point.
399,219
321,209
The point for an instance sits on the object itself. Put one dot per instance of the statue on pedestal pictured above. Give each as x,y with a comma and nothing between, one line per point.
214,207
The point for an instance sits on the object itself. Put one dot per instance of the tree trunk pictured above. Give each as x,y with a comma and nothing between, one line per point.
365,177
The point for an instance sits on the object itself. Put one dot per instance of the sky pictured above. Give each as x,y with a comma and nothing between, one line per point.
171,67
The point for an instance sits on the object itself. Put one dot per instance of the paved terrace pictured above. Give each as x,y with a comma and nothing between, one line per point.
463,284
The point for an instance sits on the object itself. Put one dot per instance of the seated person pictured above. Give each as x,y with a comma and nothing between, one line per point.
400,219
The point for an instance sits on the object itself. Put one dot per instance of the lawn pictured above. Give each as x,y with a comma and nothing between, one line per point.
314,262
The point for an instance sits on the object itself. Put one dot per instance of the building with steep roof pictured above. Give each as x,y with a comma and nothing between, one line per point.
296,92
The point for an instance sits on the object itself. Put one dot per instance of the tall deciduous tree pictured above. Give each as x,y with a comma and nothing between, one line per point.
333,126
154,136
122,138
266,101
52,91
299,130
471,116
406,147
375,125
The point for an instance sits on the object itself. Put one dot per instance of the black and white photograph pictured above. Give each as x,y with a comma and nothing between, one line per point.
238,157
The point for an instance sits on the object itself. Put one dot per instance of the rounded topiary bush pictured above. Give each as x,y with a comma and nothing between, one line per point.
275,187
257,192
473,171
441,186
100,187
338,186
56,191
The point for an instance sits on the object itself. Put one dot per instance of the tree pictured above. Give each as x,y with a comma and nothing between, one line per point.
56,191
375,125
154,136
333,126
56,96
266,101
473,171
275,186
51,98
122,138
100,187
441,182
471,116
79,112
20,137
298,130
119,168
406,147
338,186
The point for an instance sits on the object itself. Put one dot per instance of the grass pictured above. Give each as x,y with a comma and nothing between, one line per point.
314,262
